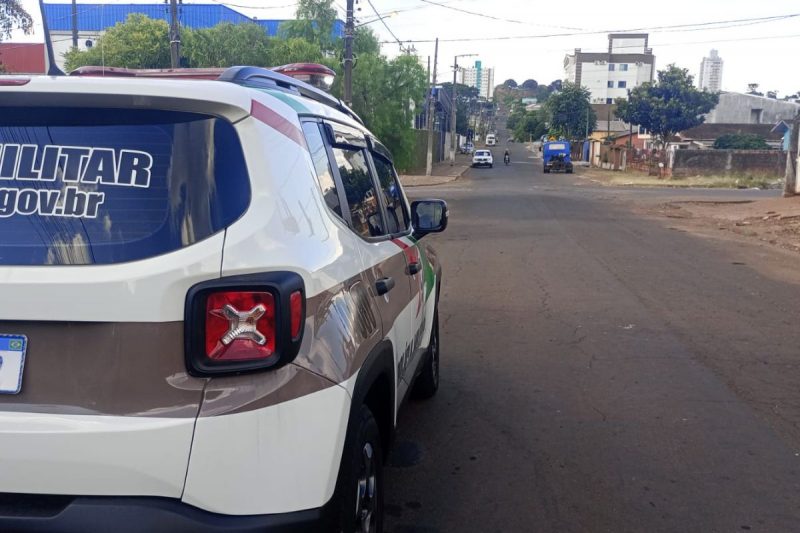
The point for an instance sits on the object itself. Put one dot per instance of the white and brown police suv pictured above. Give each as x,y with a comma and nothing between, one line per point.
213,301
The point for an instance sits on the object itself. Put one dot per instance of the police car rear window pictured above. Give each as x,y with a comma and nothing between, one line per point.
101,186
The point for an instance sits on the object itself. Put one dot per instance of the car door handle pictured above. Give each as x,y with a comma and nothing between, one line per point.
384,285
413,268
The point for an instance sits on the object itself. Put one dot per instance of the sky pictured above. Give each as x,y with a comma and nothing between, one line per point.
754,51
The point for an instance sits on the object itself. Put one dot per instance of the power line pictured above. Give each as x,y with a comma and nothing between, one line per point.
385,25
595,32
241,6
484,15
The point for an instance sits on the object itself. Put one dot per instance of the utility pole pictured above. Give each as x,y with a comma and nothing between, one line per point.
453,115
349,31
75,23
174,35
429,113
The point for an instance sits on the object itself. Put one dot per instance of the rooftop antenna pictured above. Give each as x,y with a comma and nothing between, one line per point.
52,67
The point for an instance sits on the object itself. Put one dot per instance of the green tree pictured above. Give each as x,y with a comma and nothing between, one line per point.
669,105
569,112
294,50
227,44
387,94
13,16
315,20
530,126
741,141
466,97
530,84
510,83
139,42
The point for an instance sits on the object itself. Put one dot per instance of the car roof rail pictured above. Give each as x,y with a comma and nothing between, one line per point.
260,77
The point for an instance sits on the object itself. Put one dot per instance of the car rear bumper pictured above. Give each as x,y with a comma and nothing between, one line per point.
22,513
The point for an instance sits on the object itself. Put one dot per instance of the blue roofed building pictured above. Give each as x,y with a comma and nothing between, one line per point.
95,19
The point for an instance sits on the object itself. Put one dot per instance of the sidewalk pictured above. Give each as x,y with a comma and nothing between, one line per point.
442,173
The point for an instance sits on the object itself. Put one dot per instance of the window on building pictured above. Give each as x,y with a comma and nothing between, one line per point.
319,156
609,100
622,84
610,85
623,67
611,66
360,191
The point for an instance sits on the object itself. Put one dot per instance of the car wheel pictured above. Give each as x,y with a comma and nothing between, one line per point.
491,166
360,487
427,382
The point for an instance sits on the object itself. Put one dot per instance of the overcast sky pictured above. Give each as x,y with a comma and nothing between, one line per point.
763,52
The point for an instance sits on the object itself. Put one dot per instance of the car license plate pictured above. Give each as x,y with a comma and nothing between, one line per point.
12,361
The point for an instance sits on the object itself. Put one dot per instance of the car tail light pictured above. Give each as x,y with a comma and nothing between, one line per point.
296,312
244,323
240,326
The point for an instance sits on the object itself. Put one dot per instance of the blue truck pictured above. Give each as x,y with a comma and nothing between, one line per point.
556,157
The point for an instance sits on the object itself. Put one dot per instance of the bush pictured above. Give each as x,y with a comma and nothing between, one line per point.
740,141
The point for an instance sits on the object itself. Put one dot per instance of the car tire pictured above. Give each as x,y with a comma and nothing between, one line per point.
360,486
491,166
427,382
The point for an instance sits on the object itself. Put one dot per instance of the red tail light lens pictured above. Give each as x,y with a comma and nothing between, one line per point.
296,311
240,326
245,323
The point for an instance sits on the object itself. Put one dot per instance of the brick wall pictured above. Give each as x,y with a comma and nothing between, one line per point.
756,163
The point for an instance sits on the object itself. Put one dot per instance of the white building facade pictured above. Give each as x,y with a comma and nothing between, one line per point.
711,73
481,78
609,75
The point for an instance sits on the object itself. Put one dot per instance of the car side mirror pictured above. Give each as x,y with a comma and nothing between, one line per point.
429,216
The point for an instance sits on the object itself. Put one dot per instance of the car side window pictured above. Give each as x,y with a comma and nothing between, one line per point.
359,187
397,220
319,156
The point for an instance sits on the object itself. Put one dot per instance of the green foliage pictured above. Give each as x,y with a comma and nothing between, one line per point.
315,19
530,84
569,112
466,102
13,15
139,42
510,83
741,141
227,44
669,105
386,95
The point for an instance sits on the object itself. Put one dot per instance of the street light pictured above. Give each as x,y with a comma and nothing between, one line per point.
453,111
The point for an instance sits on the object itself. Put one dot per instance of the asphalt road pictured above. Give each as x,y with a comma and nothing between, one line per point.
601,372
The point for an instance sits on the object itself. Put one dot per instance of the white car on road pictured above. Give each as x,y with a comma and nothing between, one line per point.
482,158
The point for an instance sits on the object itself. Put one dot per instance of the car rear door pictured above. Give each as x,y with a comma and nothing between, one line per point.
372,214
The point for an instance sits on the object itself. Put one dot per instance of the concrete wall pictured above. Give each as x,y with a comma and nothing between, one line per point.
736,108
756,163
421,151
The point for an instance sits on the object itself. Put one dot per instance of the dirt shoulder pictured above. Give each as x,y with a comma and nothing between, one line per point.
616,178
775,221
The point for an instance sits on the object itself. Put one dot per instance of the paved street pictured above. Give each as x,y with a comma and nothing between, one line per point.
600,371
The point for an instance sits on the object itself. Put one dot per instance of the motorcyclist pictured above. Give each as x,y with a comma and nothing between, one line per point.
507,157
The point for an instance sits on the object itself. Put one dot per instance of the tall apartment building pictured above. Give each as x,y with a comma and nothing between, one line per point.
481,78
711,73
609,75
